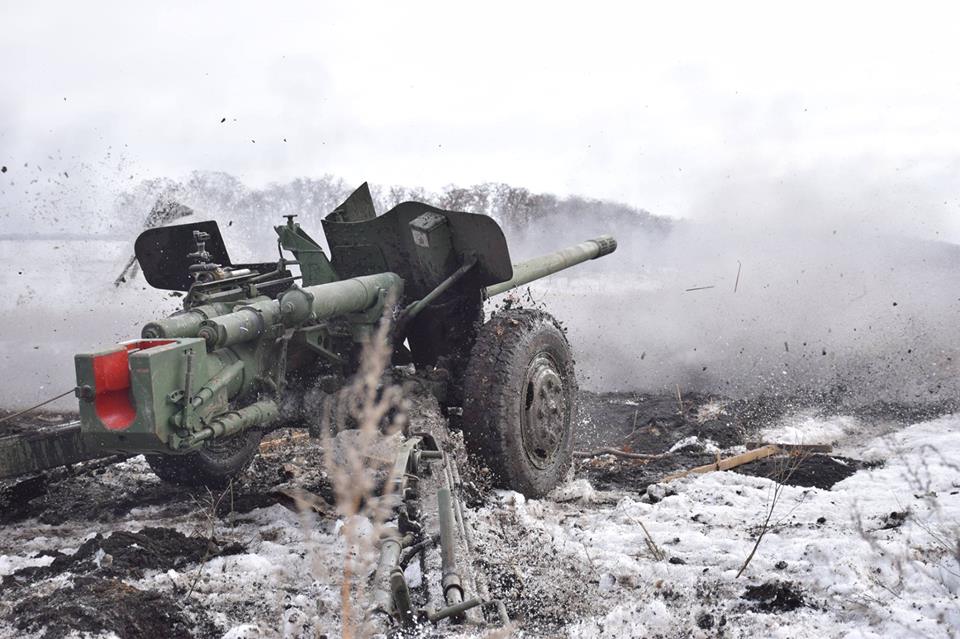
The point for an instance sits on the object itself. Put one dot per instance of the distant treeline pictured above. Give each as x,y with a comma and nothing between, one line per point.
224,197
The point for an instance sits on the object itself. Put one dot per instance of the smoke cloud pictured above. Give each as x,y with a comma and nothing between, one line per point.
814,284
782,288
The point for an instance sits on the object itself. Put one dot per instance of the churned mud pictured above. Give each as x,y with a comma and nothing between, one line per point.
774,597
113,549
94,596
692,430
109,548
94,605
813,471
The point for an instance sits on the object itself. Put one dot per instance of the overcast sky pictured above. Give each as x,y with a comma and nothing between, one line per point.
743,110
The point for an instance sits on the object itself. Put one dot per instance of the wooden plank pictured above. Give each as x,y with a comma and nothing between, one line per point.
727,463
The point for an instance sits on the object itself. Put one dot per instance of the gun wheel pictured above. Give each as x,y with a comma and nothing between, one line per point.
519,408
213,466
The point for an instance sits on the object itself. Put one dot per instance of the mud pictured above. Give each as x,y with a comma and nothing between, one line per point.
96,605
645,423
55,500
813,471
104,585
127,554
635,476
775,597
100,586
60,496
656,424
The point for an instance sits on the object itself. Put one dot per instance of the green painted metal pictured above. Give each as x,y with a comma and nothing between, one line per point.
391,544
153,400
317,303
220,366
181,389
414,308
260,413
450,579
44,448
314,265
186,323
401,598
548,264
358,207
455,610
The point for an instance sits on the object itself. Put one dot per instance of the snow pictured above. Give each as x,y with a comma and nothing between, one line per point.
289,569
711,410
859,578
862,571
808,428
707,445
579,490
244,631
12,563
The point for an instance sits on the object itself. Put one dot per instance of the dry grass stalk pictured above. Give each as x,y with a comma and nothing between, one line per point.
652,546
785,470
211,515
354,470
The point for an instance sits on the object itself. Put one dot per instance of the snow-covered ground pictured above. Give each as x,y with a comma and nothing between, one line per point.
284,582
876,556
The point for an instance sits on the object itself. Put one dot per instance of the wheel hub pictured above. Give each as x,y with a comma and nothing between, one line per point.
545,412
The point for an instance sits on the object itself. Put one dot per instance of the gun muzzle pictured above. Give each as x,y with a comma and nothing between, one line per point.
548,264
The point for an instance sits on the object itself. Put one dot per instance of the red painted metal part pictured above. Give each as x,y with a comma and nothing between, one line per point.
111,380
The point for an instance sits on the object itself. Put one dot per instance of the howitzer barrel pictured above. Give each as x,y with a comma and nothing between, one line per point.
548,264
350,296
321,302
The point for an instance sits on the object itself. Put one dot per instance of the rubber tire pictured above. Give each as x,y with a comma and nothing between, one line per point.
212,467
495,385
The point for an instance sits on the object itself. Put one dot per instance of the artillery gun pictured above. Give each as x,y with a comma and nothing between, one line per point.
258,346
197,389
